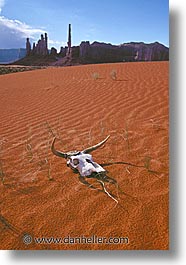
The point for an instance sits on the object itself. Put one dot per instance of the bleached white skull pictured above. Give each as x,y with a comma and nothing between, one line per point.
84,164
81,161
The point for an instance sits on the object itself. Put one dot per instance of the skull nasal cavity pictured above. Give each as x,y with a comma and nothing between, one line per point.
89,161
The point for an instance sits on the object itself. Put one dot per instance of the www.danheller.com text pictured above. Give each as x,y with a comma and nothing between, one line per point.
94,239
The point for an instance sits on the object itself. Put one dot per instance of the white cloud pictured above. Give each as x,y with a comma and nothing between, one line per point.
14,32
52,42
57,43
17,26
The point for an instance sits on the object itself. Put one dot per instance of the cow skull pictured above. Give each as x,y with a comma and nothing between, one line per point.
81,161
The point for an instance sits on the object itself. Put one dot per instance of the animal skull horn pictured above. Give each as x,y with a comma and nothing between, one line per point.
57,153
94,147
71,153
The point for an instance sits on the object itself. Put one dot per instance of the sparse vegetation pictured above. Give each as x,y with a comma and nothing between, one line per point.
13,69
113,75
48,163
156,126
29,152
102,128
50,130
125,136
147,160
38,160
95,76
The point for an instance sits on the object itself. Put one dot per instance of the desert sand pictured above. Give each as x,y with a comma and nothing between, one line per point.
81,105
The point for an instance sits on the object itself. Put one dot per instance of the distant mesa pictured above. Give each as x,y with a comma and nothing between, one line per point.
11,55
86,53
126,52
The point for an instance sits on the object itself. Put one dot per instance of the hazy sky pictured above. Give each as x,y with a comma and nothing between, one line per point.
114,21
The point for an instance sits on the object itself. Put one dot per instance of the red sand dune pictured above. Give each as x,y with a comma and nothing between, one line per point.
44,198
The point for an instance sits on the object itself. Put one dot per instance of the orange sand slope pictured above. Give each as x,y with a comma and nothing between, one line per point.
81,105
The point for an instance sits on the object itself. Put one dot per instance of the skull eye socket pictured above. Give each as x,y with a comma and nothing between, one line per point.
75,161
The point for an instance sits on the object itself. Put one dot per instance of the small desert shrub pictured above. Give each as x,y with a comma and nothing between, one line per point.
147,160
126,137
8,69
113,74
29,151
95,76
